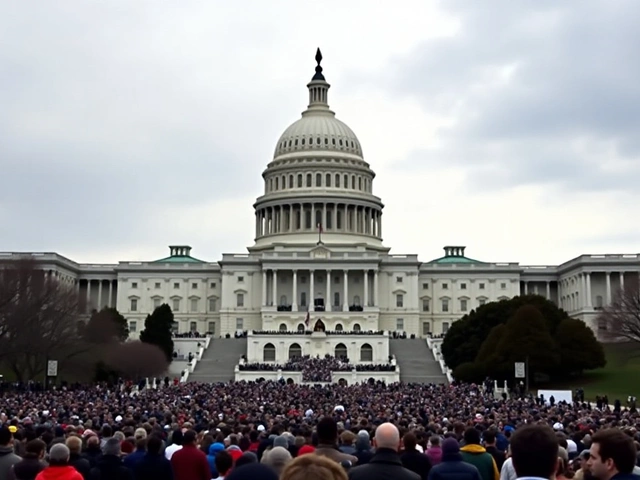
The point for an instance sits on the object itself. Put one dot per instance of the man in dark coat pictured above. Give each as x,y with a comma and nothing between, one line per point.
153,466
413,459
386,463
452,466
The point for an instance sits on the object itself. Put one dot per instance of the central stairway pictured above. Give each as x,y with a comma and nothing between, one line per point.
416,361
219,360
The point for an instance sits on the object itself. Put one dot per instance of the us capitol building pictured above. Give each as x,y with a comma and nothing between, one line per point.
319,249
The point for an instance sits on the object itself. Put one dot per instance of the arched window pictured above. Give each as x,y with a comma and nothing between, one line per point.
290,181
307,219
357,327
339,327
341,351
283,327
337,180
309,178
283,300
356,300
277,183
299,180
295,351
269,353
303,299
336,299
339,220
366,353
301,327
328,180
318,179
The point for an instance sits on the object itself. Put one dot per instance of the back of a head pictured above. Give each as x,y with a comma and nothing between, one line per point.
154,444
74,444
434,441
615,449
471,436
253,471
223,462
387,436
327,431
189,437
112,447
177,437
37,447
277,458
58,455
489,436
313,467
409,441
534,451
6,437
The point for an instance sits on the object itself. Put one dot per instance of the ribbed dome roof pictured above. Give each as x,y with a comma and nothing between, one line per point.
318,131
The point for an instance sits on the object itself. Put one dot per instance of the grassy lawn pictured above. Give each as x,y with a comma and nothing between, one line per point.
619,379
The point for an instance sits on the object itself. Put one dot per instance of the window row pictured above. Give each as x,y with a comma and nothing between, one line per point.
338,328
194,304
320,180
295,351
463,286
445,304
193,327
327,142
176,285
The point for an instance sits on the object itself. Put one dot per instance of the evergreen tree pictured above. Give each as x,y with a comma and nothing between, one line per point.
106,326
157,330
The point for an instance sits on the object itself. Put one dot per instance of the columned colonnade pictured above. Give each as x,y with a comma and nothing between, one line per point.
576,291
106,291
335,299
305,216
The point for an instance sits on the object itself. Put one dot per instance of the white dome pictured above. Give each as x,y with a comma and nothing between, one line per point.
318,131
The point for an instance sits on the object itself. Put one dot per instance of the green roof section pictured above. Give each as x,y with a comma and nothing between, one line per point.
179,254
454,255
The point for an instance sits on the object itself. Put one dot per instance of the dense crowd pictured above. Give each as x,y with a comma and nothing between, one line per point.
109,430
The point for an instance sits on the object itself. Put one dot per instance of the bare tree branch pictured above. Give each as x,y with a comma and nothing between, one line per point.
621,318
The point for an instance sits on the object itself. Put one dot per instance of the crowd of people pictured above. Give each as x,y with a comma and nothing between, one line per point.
113,431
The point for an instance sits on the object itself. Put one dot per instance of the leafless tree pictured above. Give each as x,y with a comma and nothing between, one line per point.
135,360
38,318
620,320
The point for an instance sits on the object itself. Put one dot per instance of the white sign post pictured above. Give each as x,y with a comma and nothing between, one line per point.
520,370
52,368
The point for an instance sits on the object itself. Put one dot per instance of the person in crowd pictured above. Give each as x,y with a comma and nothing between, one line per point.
313,467
8,458
534,451
176,443
154,465
110,465
386,463
327,430
32,462
277,458
76,460
59,468
253,471
140,438
223,464
451,466
214,449
612,455
434,450
413,459
190,463
475,454
363,448
490,445
93,452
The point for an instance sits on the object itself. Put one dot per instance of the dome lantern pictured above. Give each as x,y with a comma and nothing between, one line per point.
318,90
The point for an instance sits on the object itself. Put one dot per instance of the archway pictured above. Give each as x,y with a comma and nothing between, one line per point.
357,327
340,351
295,351
290,381
366,353
301,327
269,353
339,327
342,382
319,326
282,327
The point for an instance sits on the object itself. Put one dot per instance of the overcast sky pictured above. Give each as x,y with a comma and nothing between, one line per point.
510,127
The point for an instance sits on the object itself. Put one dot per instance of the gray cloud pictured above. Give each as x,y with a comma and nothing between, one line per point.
539,93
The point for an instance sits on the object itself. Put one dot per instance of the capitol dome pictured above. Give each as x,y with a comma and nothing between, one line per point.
318,187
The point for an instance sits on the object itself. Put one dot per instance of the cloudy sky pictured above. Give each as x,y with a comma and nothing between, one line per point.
510,127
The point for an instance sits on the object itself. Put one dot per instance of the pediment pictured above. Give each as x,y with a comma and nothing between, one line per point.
320,252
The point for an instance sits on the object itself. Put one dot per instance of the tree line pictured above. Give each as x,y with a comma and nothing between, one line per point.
488,341
40,320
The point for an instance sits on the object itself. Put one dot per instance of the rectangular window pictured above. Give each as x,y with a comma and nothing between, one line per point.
482,301
156,303
426,328
399,301
212,304
134,305
503,286
193,326
425,304
176,285
157,286
399,279
445,305
240,300
134,285
133,326
194,304
445,286
445,327
482,286
176,305
239,324
194,286
425,286
400,324
241,279
212,285
463,305
174,327
463,286
211,328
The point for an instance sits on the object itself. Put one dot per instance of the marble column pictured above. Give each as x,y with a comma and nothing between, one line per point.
548,291
588,292
327,300
274,291
294,304
100,282
311,290
622,280
608,278
111,302
88,307
264,288
375,288
366,288
345,293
